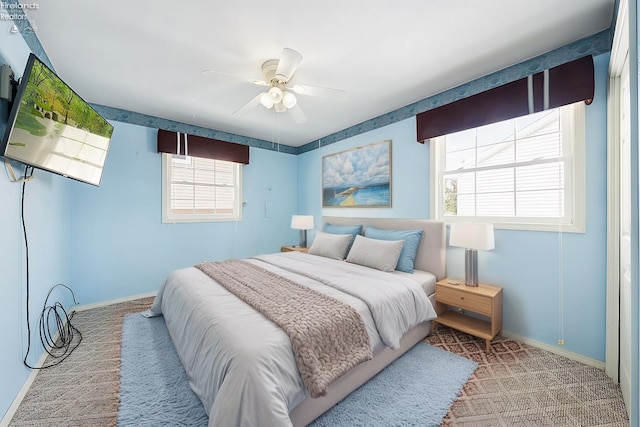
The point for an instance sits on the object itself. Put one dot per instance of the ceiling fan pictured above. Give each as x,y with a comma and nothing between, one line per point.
281,95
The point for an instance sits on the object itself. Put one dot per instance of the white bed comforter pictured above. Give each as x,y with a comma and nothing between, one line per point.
240,364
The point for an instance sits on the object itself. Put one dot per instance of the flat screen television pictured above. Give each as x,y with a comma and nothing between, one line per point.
51,128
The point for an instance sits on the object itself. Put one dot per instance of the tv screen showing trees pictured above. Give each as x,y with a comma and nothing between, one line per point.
52,128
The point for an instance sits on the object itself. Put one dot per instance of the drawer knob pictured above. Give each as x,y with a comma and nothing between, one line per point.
461,297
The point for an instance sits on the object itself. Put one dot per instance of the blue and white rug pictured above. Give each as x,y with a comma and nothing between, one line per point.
416,390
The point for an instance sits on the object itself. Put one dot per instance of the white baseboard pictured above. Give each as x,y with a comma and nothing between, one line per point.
6,419
113,301
556,350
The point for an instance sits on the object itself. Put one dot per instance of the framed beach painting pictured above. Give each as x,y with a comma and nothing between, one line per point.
358,177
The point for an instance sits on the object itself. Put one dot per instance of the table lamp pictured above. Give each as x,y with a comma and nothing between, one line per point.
302,223
472,237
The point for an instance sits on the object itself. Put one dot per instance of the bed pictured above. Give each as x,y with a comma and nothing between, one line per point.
242,365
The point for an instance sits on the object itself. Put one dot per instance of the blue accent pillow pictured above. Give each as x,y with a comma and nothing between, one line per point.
354,230
411,242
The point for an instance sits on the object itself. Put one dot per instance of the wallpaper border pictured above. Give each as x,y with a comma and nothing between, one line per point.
593,45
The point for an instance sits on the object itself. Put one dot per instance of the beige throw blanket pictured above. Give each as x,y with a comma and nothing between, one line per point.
328,337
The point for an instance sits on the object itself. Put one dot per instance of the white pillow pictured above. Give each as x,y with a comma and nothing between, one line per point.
330,245
379,254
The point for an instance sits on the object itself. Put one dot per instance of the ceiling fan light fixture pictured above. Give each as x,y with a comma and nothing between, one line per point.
278,92
265,100
280,107
289,100
275,93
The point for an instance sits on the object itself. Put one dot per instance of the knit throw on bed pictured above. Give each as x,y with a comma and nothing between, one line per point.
328,337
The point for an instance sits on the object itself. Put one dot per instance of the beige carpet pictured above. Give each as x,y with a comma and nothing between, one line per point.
514,385
520,385
82,390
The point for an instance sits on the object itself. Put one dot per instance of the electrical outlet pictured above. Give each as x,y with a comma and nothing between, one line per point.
560,342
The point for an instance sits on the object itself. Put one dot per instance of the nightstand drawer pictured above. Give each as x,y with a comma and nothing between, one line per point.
469,301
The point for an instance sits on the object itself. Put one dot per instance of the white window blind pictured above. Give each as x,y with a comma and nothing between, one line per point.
525,173
200,190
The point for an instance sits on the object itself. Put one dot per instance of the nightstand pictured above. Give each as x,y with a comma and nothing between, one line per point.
293,248
483,299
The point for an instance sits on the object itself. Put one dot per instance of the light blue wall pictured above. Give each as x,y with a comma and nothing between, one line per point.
108,242
121,248
47,213
527,264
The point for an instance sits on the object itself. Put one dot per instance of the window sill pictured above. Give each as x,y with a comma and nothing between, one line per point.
563,228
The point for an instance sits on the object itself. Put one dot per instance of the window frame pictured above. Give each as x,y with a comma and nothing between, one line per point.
573,146
170,218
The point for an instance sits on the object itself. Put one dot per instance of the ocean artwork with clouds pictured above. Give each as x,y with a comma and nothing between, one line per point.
358,177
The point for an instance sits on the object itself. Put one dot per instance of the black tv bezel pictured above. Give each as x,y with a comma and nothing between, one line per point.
13,114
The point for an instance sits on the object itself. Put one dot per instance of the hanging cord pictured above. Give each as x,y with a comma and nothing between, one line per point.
57,313
62,347
560,263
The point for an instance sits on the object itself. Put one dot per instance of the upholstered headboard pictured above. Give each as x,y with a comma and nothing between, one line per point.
432,254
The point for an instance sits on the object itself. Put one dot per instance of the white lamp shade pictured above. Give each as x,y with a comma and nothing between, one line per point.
302,222
266,100
280,107
471,235
275,93
289,100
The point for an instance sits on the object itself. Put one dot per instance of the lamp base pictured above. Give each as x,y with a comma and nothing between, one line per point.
303,238
471,267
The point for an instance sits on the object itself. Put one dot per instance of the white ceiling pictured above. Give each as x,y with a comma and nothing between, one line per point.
147,56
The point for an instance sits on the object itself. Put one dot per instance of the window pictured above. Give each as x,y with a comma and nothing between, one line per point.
525,173
195,189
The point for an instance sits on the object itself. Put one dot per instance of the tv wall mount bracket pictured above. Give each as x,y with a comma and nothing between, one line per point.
8,84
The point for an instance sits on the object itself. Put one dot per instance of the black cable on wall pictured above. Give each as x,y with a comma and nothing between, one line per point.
54,319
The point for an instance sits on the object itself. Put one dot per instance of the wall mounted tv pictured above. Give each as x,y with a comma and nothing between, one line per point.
51,128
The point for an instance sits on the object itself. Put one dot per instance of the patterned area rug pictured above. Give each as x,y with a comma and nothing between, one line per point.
520,385
84,390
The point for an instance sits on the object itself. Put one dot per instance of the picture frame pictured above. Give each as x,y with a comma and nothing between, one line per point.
359,177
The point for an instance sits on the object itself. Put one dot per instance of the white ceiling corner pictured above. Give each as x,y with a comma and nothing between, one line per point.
147,56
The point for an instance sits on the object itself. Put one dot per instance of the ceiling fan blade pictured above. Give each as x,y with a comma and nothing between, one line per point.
248,106
248,79
297,114
323,92
289,61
